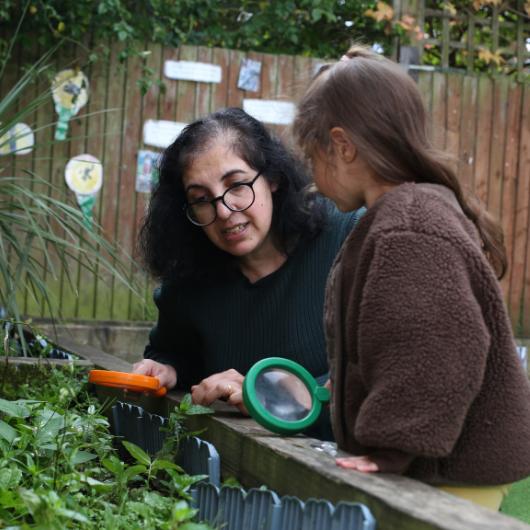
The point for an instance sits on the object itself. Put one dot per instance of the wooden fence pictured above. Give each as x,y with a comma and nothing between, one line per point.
484,122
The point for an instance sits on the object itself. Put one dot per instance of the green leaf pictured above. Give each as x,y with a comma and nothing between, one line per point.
10,478
13,408
186,403
194,410
166,464
71,514
194,526
316,14
133,471
113,465
137,453
99,486
80,457
182,512
7,432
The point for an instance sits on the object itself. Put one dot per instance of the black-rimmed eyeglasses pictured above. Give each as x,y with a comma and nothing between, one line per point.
236,198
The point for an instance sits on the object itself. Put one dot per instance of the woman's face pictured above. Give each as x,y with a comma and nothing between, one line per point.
242,234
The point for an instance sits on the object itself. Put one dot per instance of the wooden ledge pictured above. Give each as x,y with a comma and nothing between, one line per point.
44,361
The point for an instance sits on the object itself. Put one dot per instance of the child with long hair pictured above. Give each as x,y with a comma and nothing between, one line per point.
424,372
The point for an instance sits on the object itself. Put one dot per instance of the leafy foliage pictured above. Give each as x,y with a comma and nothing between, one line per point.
491,50
321,28
59,467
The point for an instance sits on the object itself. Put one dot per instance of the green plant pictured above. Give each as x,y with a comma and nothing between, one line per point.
492,49
59,466
320,28
41,231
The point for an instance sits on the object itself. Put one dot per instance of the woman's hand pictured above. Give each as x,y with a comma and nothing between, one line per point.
166,374
358,463
227,386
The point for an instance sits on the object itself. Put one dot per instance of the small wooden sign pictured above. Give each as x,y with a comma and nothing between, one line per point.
161,133
270,111
192,71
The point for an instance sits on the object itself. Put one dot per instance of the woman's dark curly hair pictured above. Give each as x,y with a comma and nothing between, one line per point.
172,248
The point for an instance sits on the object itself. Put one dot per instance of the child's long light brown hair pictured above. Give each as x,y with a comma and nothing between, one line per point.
380,107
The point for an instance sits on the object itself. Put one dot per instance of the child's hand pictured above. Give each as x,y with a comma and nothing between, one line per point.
364,464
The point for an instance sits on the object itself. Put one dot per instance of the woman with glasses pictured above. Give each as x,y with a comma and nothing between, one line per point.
242,251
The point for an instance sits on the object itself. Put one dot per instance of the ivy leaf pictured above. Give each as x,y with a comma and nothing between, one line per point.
316,14
137,453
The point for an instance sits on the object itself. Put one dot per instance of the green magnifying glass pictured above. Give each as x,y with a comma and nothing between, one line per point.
283,396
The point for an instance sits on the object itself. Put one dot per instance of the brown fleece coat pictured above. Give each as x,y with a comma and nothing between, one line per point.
423,363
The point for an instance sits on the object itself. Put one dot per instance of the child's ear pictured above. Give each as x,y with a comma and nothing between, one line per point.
342,144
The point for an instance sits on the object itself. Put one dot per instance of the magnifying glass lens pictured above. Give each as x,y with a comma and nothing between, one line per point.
283,394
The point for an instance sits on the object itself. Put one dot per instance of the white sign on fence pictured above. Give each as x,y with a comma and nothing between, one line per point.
270,111
192,71
161,133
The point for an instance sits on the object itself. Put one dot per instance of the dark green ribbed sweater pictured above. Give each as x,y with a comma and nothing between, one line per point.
234,323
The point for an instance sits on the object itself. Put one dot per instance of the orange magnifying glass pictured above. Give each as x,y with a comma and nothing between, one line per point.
127,381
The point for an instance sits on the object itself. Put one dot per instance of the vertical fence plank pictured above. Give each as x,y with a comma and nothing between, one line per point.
186,89
41,167
483,143
109,201
522,209
235,94
284,87
95,145
125,214
203,95
65,285
168,103
268,80
498,137
454,111
509,177
524,175
150,110
220,91
24,164
79,145
101,277
468,130
426,88
302,75
439,114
